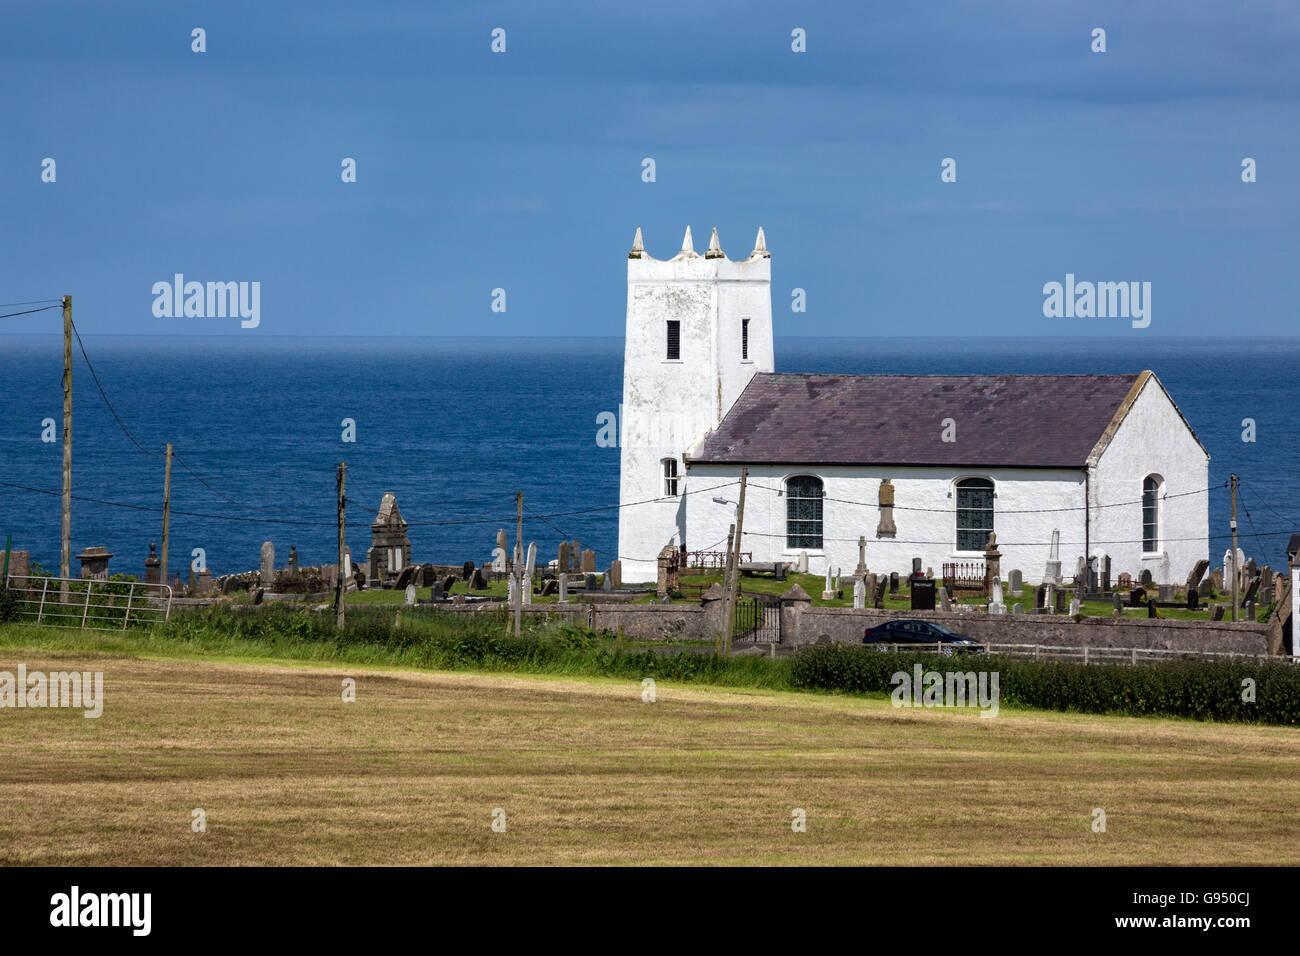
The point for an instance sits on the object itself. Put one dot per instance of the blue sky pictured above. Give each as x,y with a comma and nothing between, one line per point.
522,170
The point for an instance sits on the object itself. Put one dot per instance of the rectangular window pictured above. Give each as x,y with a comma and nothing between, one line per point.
803,512
674,340
670,477
1150,517
974,513
744,340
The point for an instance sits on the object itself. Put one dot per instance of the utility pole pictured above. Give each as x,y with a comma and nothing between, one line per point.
519,564
735,564
167,511
1235,575
340,586
726,593
65,549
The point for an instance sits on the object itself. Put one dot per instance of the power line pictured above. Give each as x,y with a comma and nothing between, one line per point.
116,417
5,305
27,311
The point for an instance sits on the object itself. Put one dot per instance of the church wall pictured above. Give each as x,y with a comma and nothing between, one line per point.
1152,439
1024,515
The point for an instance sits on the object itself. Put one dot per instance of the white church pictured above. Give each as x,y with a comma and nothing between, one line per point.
917,465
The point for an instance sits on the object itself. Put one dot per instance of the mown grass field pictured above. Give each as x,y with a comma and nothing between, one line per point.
588,773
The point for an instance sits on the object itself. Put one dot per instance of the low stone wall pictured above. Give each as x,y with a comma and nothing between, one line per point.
639,621
806,625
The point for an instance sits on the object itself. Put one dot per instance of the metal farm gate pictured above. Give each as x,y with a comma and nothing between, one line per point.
758,619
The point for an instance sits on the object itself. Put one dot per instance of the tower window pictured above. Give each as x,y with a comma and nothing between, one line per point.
670,477
674,340
744,340
974,513
1151,514
803,512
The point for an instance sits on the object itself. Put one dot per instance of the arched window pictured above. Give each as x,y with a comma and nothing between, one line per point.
670,477
974,513
1151,513
803,512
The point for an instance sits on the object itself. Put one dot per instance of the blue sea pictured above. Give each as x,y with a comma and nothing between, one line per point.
454,427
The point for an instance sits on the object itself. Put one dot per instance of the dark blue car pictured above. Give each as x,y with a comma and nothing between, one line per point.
918,632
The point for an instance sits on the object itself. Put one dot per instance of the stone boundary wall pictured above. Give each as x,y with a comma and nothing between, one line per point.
639,621
806,625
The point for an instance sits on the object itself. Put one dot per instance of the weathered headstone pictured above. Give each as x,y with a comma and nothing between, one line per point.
564,587
1016,582
467,571
803,562
499,552
1117,601
828,592
562,561
1165,593
861,570
588,561
268,564
893,582
1074,606
410,594
945,600
152,565
607,582
879,598
293,559
1017,608
996,603
1061,601
1193,599
550,586
922,594
1197,572
1146,578
436,593
1052,573
1217,613
860,593
478,580
616,573
1042,598
589,582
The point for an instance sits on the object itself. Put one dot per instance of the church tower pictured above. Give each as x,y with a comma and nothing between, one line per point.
698,329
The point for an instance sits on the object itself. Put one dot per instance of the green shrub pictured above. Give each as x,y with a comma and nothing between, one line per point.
1199,689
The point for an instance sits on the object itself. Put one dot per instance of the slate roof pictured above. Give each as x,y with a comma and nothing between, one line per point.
1036,421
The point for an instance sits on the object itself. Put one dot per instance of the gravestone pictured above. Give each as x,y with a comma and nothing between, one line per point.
530,568
1250,610
1061,599
550,586
293,559
575,556
1117,601
1193,599
467,571
616,573
1266,595
1165,593
1152,610
828,591
152,565
893,582
992,557
1042,598
871,584
1197,572
1017,608
499,552
802,566
436,593
879,597
1146,578
268,564
861,570
562,562
564,588
859,593
1137,597
996,603
1074,606
923,594
477,580
1217,613
607,582
205,583
1216,581
1052,573
945,600
1016,582
885,528
589,582
1252,589
410,594
1105,572
588,561
448,583
916,569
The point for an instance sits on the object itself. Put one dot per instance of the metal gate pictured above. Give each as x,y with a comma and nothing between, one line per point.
88,603
758,619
